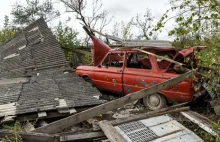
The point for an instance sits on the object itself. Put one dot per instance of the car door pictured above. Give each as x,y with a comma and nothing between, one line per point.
138,73
108,75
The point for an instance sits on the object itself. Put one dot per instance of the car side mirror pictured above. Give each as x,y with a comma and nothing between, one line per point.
99,66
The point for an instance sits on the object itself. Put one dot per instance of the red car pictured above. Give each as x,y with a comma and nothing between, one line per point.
127,70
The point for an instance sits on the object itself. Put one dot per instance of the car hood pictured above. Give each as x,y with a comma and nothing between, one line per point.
100,49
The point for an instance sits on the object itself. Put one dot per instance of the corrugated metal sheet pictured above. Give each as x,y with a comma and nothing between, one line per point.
159,129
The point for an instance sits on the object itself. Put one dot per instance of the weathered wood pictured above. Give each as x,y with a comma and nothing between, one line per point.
13,81
147,115
201,121
42,114
82,52
110,132
82,136
79,117
31,137
161,57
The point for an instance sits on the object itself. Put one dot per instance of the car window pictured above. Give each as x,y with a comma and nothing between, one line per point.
114,60
163,64
138,60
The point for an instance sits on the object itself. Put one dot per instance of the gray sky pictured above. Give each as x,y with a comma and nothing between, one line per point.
122,10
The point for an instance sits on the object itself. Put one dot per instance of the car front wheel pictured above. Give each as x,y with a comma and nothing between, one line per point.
155,101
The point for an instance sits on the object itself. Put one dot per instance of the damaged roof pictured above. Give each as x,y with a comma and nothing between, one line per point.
35,77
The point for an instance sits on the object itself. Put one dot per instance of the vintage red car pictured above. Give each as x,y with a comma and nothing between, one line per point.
127,70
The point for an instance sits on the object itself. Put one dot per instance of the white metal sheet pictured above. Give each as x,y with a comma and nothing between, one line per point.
156,120
166,129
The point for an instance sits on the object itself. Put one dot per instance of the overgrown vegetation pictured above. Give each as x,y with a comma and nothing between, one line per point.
15,129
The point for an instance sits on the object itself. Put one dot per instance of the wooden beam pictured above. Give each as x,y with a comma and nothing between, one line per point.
110,132
79,117
147,115
201,121
81,137
161,57
31,137
82,52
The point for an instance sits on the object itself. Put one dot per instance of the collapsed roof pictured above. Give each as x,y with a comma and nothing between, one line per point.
35,77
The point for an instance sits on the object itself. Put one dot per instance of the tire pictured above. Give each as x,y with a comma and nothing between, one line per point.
87,79
155,101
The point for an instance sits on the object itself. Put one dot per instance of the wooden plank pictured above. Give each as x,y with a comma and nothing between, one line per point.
81,137
161,57
147,115
201,121
110,132
13,81
42,114
79,117
31,137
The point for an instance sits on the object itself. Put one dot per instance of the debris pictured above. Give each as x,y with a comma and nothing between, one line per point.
216,105
200,120
156,129
36,78
111,132
81,137
124,113
32,137
79,117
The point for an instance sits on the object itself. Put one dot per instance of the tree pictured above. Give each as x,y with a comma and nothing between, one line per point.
144,26
197,23
194,18
67,38
95,20
7,32
123,30
24,15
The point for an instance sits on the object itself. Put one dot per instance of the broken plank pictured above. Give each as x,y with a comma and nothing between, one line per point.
147,115
81,137
201,121
42,114
110,132
31,137
79,117
150,114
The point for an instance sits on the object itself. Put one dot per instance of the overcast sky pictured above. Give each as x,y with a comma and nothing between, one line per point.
122,10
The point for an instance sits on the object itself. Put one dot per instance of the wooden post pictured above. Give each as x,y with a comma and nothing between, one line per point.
84,115
110,132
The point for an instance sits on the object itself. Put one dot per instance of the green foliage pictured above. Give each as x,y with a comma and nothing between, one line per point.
126,29
7,32
67,38
15,137
195,18
26,14
123,30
